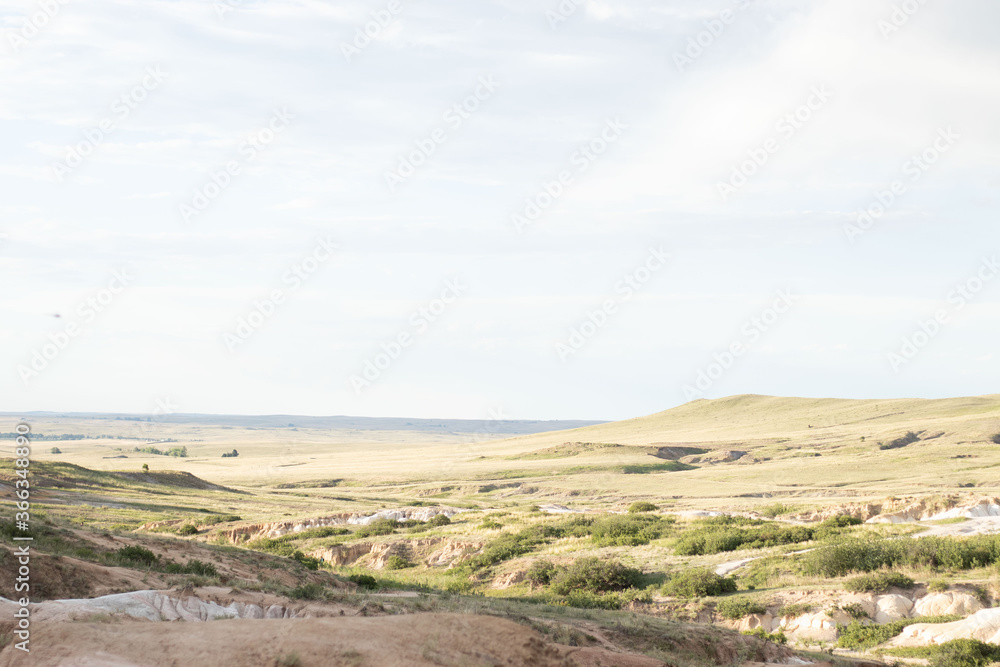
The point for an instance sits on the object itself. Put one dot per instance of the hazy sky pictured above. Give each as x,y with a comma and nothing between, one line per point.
479,180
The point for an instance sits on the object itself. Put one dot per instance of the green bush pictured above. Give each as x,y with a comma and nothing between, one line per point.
938,586
776,510
491,524
878,582
364,581
540,573
310,562
778,637
995,438
642,506
187,529
135,556
629,530
56,450
396,562
377,527
698,582
796,609
872,554
594,575
736,608
201,569
966,653
439,520
719,537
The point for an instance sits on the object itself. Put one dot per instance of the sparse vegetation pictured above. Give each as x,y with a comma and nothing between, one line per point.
878,582
903,441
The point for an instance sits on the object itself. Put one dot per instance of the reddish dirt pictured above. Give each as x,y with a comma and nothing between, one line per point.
389,641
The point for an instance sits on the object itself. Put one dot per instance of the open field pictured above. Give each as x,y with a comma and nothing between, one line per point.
566,533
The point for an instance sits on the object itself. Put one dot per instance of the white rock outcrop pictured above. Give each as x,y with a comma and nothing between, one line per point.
946,604
889,608
984,625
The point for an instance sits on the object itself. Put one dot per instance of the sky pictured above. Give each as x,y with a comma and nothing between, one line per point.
593,209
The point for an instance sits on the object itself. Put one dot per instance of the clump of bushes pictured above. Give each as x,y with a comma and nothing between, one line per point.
396,562
377,527
364,581
878,582
135,556
868,555
230,455
629,530
938,586
698,582
903,441
642,506
540,573
796,609
966,653
594,575
778,637
491,524
193,566
439,520
187,529
736,608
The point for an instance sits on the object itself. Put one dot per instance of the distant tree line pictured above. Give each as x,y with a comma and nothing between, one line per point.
230,455
182,452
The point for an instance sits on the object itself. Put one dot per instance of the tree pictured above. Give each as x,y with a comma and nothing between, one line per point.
56,450
145,467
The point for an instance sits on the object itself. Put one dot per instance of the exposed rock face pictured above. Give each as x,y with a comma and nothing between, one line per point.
817,626
434,551
505,581
258,531
889,608
946,604
984,625
152,606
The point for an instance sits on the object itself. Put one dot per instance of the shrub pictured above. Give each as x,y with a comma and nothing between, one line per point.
855,610
903,441
310,562
776,510
698,582
439,520
720,537
778,637
878,582
995,438
859,636
363,580
187,529
938,586
201,569
133,555
966,653
594,575
629,530
540,573
56,450
491,524
642,506
230,455
396,562
377,527
736,608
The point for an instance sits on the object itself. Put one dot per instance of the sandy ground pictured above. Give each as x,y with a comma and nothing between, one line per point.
393,641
